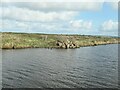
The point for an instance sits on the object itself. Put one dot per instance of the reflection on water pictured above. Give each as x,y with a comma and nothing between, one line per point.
56,68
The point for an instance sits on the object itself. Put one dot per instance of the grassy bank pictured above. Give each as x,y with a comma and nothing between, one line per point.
25,40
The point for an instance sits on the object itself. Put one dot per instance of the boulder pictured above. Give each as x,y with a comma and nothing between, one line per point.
66,45
59,44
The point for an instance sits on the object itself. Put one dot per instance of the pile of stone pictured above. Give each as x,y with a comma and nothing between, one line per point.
66,44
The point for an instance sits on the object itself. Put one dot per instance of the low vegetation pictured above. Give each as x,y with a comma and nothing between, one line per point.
30,40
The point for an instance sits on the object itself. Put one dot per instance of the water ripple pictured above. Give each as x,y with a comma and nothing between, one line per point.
91,67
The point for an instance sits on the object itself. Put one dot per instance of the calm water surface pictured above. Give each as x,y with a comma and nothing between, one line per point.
61,68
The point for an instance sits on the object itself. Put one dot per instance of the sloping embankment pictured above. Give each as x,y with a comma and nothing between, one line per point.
25,40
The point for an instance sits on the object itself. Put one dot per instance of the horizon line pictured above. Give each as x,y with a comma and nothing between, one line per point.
58,33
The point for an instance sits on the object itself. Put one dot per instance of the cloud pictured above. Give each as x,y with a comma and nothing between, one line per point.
35,16
10,24
29,26
109,25
80,24
75,26
57,6
54,17
46,27
114,5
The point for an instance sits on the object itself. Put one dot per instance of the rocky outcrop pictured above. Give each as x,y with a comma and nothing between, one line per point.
66,44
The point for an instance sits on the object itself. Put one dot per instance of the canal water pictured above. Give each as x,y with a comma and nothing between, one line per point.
86,67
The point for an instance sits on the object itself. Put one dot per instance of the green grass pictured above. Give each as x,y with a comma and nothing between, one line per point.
30,40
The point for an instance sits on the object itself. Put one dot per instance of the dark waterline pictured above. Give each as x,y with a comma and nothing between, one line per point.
85,67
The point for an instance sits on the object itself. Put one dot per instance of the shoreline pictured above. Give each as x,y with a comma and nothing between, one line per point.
30,40
55,47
